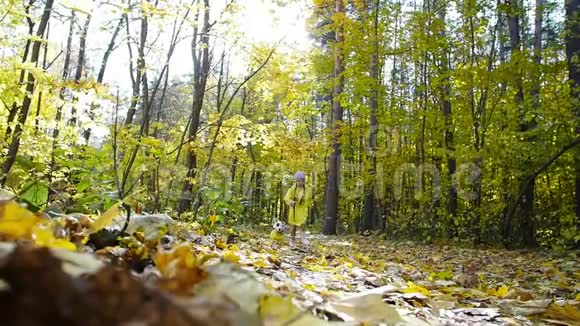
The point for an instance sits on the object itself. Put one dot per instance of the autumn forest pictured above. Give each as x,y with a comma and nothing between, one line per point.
427,122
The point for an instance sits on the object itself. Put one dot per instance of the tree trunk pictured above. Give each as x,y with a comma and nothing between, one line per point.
62,93
30,87
332,195
573,56
526,230
447,113
13,111
110,48
142,73
144,82
39,102
136,78
80,64
369,204
201,67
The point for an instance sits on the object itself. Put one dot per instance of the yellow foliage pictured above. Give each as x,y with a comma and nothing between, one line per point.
107,217
230,255
291,273
220,244
260,263
180,268
277,311
309,287
44,237
213,219
363,259
16,222
414,288
566,312
500,292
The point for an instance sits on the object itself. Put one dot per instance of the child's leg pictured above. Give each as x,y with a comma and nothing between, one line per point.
294,232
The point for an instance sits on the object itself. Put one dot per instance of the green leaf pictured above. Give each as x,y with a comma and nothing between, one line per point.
37,194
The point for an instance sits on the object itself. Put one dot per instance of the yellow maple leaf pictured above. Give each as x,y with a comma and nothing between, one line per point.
43,237
261,263
16,221
291,273
414,288
500,292
180,269
310,287
213,219
106,218
220,244
230,255
363,259
278,311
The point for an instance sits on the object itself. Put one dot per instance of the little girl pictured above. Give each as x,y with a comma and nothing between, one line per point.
299,198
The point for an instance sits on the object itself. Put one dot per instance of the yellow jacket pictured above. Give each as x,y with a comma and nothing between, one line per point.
302,198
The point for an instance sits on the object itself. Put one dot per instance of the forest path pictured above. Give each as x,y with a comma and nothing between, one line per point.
429,284
245,278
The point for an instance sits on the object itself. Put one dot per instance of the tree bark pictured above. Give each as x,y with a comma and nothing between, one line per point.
110,48
39,101
134,73
526,230
445,99
13,111
62,93
332,182
142,79
201,64
573,57
369,204
30,87
80,64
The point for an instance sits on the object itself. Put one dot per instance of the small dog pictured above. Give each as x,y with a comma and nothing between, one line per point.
278,229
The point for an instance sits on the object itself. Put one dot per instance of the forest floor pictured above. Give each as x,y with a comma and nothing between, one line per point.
245,278
427,284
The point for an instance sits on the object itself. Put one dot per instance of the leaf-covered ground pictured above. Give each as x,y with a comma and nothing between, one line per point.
430,284
82,270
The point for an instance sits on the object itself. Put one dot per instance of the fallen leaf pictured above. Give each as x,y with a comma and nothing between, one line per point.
412,287
106,218
566,313
180,269
16,222
500,292
368,308
278,311
231,256
526,308
220,244
43,237
520,294
241,286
